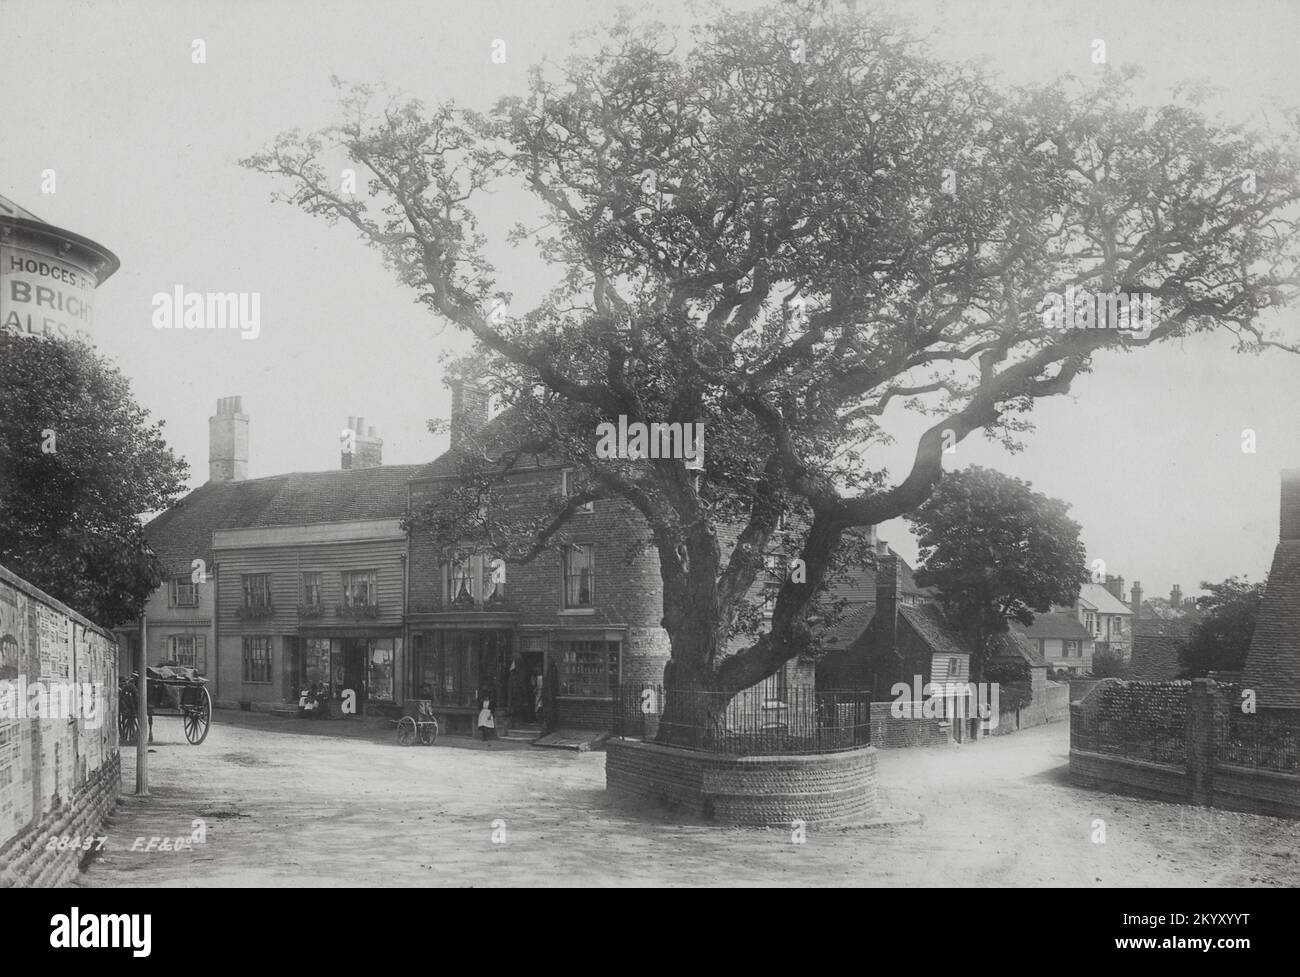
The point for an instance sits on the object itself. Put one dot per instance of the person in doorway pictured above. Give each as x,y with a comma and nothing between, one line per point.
520,697
539,697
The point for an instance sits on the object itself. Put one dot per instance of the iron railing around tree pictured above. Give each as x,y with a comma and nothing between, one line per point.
799,720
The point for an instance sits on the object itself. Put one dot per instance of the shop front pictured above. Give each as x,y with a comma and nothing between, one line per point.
366,663
458,664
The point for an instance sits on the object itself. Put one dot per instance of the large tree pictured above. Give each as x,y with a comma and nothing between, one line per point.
1220,640
779,225
997,551
79,464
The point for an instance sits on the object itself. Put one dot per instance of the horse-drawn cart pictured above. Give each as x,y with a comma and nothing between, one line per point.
174,690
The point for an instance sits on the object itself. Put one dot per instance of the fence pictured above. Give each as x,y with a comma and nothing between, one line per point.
1269,741
802,720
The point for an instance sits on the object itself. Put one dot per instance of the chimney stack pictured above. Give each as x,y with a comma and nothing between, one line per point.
1116,587
368,447
1290,523
469,411
228,441
1137,599
889,584
1176,597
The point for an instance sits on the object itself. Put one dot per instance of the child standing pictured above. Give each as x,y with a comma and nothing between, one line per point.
487,724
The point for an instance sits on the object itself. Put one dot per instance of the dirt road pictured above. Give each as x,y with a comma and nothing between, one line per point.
288,803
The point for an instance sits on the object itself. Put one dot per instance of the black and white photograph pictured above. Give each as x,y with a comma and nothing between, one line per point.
557,444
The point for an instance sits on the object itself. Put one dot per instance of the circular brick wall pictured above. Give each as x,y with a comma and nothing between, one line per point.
752,790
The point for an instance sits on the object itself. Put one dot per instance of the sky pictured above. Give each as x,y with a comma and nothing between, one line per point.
145,143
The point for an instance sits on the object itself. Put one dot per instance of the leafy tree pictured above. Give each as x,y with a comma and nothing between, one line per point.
79,464
1221,638
779,227
1109,664
997,551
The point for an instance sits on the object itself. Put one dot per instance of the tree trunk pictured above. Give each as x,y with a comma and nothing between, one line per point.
694,709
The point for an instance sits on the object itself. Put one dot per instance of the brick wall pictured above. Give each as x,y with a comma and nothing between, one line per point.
58,773
759,790
890,732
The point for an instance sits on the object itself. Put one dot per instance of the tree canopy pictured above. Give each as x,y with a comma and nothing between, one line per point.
1220,640
997,551
79,464
781,223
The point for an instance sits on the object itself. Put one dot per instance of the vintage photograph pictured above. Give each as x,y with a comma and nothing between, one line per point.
800,443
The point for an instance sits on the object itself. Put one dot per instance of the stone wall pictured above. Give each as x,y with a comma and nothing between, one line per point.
59,765
1186,742
749,790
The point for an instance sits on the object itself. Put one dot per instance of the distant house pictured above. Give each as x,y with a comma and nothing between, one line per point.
902,634
1273,662
1157,642
1061,640
1013,646
1102,611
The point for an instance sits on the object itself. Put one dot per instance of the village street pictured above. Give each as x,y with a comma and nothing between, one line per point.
289,803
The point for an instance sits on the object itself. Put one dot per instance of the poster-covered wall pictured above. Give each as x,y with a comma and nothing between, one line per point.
58,704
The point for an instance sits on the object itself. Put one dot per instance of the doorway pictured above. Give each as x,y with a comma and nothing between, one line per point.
351,673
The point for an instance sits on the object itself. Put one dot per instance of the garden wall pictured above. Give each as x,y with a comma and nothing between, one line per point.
749,790
59,764
1187,742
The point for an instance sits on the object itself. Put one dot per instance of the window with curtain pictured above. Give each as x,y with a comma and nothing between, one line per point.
359,588
579,575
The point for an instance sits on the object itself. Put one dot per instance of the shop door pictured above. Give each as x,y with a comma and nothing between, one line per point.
354,668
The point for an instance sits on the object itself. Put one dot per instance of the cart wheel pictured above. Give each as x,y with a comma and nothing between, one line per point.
429,731
406,731
128,724
198,719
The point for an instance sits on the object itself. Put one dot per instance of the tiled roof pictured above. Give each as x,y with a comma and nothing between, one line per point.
1055,624
1273,663
1155,657
1176,627
183,533
932,627
850,626
1102,599
1014,644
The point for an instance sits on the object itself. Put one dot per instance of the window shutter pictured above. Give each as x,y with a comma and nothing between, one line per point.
171,592
201,654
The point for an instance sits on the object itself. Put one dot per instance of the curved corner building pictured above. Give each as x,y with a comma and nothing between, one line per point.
48,277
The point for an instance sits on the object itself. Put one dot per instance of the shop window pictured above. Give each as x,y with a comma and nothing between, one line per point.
257,661
579,575
589,669
379,677
316,662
